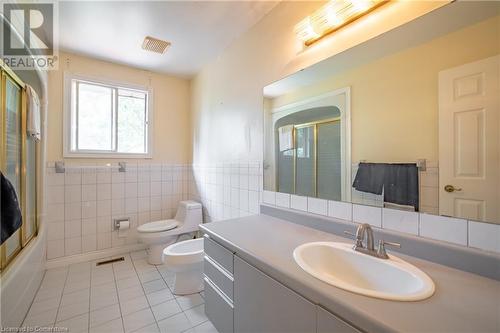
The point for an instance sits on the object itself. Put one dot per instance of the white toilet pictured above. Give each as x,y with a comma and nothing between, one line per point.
160,234
185,259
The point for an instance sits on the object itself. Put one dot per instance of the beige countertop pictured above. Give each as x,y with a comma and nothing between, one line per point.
463,302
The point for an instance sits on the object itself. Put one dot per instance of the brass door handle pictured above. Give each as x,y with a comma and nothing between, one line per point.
451,188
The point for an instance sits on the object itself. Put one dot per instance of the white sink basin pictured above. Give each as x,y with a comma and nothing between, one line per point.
339,265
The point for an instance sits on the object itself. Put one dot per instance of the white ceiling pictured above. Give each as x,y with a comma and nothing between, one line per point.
198,30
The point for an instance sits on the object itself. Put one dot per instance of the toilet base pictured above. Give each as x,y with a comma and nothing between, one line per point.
188,282
155,253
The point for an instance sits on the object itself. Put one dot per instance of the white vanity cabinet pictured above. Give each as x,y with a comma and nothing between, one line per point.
240,298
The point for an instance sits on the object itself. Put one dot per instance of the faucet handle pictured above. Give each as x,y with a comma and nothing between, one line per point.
352,234
381,248
359,241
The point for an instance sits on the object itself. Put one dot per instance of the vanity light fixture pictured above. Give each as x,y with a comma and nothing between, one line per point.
333,16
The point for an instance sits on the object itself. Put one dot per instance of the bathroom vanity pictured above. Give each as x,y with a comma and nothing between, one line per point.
253,284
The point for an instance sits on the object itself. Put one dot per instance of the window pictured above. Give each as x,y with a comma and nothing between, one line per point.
106,120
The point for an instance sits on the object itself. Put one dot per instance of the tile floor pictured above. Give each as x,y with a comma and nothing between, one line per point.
127,296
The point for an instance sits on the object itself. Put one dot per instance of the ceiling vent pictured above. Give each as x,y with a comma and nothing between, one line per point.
155,45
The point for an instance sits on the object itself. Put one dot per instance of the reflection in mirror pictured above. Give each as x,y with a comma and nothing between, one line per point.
408,120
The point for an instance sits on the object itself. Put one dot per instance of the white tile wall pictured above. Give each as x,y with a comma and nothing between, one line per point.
367,214
447,229
283,200
340,210
298,202
400,220
229,189
83,201
484,236
317,206
474,234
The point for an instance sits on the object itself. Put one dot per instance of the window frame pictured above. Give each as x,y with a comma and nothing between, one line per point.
67,118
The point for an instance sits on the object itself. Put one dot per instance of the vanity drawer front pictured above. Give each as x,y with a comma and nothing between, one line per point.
219,276
218,308
219,254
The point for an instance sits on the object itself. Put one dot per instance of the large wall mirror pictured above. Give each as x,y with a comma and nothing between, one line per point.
408,120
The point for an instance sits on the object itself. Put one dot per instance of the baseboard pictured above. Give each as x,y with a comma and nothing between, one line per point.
78,258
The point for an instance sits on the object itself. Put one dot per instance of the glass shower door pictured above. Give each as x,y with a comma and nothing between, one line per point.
329,161
13,151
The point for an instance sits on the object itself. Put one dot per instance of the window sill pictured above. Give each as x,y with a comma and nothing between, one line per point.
107,155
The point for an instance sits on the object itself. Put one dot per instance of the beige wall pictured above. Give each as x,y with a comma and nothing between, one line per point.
227,94
394,108
171,104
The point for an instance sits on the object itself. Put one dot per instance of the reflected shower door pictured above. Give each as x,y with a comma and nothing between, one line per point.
305,174
329,169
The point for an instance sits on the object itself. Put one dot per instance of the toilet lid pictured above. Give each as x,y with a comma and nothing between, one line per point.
158,226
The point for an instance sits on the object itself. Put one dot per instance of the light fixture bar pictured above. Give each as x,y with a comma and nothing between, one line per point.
333,16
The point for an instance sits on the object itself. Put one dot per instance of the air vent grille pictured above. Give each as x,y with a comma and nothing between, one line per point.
155,45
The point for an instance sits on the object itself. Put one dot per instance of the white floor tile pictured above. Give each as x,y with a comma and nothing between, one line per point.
41,319
175,324
165,310
196,315
45,305
113,326
158,297
152,286
75,297
72,310
128,283
189,301
103,300
76,324
130,293
149,276
136,320
153,328
101,316
206,327
133,305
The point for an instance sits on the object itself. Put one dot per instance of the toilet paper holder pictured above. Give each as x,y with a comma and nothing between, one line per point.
116,222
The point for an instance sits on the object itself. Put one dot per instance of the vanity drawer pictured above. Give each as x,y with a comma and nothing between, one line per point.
218,308
219,254
219,276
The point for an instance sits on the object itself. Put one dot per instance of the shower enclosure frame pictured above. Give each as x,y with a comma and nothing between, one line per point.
339,98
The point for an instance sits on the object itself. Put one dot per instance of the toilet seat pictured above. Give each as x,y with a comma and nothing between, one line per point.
158,226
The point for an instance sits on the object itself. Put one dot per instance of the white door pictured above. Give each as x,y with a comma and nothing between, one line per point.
469,141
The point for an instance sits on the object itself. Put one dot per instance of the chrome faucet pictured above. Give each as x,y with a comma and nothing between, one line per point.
366,229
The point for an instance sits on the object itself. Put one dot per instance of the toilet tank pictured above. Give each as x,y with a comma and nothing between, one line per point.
189,213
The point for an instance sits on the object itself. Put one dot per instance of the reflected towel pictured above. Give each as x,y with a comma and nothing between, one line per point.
10,213
285,137
399,182
33,126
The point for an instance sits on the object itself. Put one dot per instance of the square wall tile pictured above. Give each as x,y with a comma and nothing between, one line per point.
72,246
444,228
89,192
55,249
400,220
299,203
367,214
317,206
283,200
340,210
484,236
269,197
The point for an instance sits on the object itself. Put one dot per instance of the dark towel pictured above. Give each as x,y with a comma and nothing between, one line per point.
401,184
370,178
10,213
398,181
